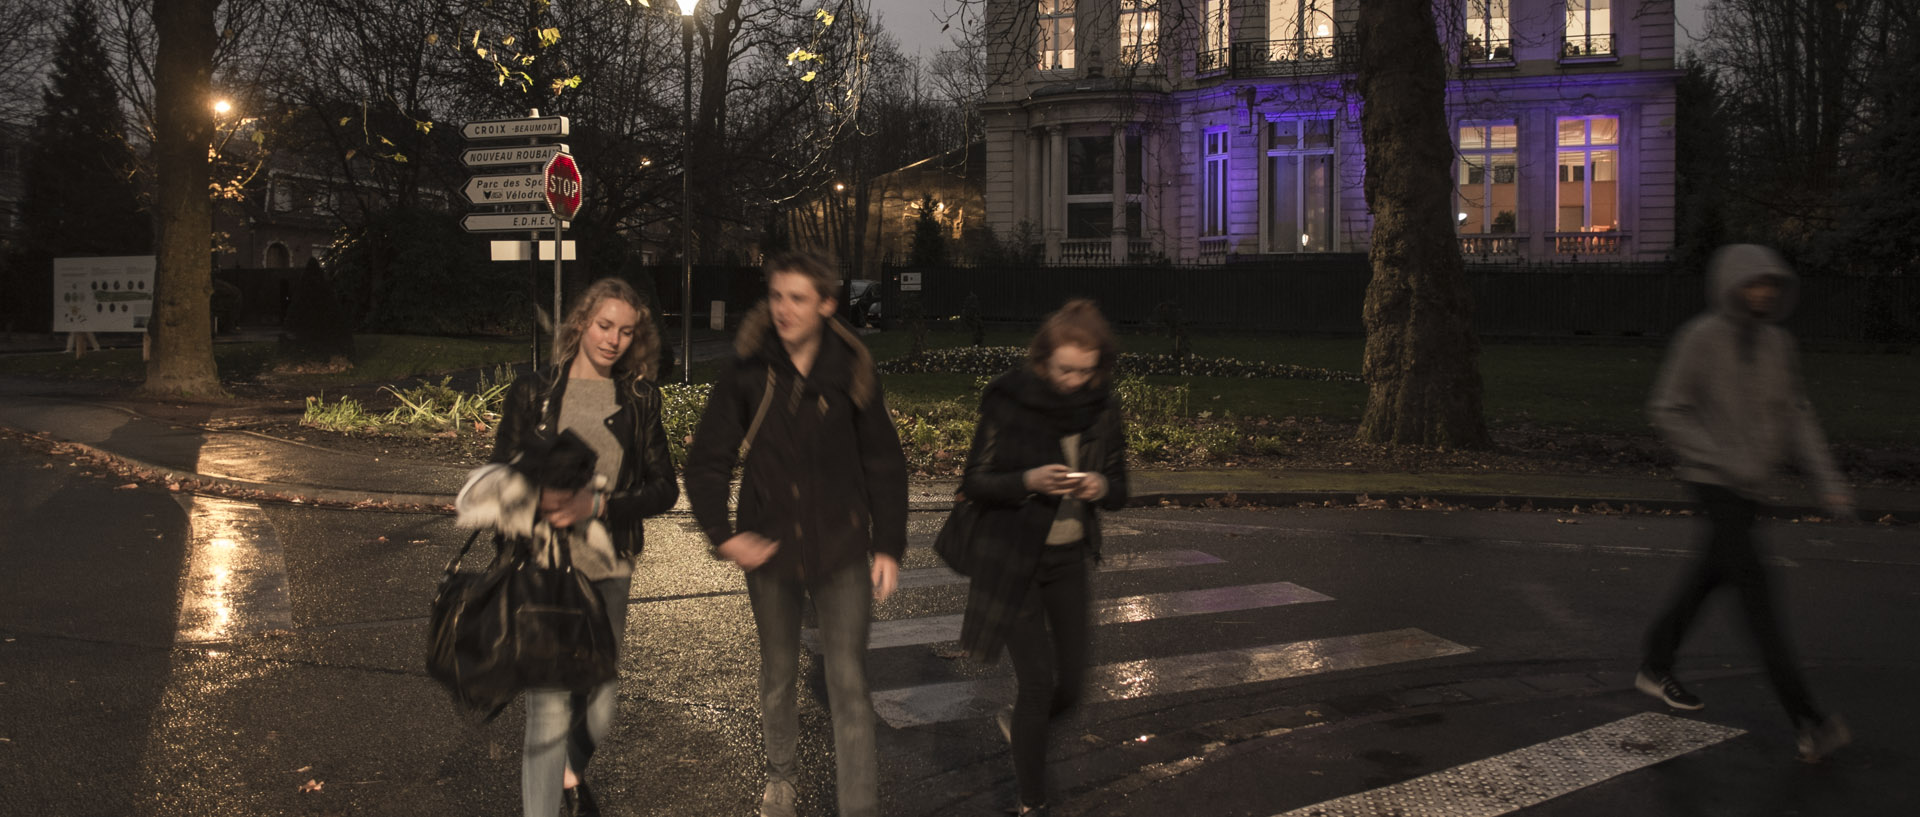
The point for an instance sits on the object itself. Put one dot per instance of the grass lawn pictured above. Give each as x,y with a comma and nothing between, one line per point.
378,358
1861,397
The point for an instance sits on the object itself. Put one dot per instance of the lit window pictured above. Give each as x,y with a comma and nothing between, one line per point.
1218,34
1139,32
1589,28
1489,32
1300,185
1299,19
1588,192
1056,35
1488,179
1213,219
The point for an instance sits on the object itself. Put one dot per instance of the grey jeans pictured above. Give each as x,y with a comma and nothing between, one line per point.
554,741
843,604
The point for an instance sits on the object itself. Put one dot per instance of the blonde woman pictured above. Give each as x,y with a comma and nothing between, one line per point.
601,388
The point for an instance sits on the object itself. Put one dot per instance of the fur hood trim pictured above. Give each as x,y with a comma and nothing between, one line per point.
756,333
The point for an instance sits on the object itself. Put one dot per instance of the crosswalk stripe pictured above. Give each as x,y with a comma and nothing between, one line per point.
236,582
1148,560
1507,783
960,700
935,629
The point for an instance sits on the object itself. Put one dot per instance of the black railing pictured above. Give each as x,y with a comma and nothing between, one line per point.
1586,46
1296,57
1324,293
1476,51
1210,61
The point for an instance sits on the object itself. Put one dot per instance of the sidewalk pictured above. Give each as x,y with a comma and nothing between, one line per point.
293,471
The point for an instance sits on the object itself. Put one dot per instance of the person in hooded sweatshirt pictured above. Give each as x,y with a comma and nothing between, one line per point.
1730,401
823,487
1049,450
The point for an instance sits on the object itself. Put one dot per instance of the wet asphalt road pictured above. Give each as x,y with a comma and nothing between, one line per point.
181,656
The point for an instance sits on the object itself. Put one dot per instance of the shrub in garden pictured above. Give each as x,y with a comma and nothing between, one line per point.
992,360
316,328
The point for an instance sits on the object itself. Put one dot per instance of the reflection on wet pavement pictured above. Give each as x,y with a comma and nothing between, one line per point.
937,576
935,629
959,700
236,577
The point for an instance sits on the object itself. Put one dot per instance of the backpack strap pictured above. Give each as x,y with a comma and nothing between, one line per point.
759,416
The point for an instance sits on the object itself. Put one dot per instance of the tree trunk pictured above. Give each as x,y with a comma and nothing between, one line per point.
182,361
1422,384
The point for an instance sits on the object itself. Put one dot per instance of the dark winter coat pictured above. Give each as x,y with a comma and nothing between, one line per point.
824,476
645,485
1022,421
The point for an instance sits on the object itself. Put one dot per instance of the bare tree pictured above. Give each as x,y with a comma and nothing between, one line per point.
1423,387
25,61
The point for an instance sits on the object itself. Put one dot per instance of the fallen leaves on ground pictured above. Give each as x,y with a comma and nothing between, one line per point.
311,786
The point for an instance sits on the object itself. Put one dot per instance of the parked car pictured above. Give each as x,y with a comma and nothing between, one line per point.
863,302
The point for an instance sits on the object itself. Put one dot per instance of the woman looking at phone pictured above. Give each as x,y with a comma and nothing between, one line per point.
1050,449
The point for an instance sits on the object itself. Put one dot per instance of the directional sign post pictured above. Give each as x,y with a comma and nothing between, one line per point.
536,155
517,147
507,222
515,128
519,188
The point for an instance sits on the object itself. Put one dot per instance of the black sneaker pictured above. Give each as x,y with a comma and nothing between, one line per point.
1818,740
1664,687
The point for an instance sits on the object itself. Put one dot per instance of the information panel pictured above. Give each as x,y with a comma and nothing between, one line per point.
107,294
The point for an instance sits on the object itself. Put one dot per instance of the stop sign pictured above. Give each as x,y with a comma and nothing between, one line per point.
563,186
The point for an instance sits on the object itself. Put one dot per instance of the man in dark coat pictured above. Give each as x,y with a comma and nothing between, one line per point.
823,486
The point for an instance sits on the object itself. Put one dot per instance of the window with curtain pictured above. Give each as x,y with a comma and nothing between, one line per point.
1055,43
1213,216
1488,178
1300,165
1588,193
1139,32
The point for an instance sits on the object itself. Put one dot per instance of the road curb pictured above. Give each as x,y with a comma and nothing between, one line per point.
1392,500
192,482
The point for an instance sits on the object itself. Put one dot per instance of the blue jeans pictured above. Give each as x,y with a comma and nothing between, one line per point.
555,742
843,602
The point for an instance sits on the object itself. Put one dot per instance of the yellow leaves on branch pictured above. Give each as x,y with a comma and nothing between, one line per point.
801,55
549,36
825,17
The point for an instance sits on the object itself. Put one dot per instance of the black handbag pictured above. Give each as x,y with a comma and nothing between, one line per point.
954,542
517,625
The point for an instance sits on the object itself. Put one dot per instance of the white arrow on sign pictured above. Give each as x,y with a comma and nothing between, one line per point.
517,155
515,128
509,189
506,222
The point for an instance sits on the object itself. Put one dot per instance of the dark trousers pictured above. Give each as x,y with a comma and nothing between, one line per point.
1731,558
1048,648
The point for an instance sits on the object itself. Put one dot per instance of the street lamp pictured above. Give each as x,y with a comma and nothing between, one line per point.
686,188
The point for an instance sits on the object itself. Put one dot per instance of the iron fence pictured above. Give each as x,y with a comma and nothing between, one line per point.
1323,294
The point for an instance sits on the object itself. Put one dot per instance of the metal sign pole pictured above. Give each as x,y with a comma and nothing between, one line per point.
557,254
533,273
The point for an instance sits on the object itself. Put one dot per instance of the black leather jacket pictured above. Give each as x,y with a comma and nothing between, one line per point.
645,485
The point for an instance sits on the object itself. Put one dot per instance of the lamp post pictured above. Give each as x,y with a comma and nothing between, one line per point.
686,188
